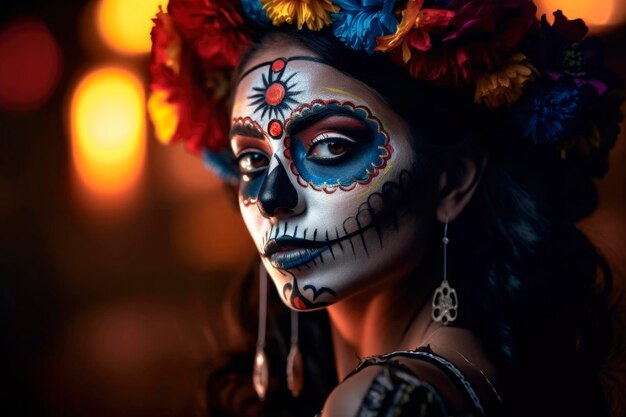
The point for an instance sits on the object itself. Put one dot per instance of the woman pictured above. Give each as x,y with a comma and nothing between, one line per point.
415,168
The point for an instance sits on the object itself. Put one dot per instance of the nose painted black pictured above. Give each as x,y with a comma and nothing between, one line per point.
277,192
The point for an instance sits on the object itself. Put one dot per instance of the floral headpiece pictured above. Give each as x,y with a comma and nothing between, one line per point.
551,77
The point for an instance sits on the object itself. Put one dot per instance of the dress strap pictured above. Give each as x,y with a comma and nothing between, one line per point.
426,354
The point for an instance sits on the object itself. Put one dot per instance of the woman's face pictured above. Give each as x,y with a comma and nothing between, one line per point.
327,178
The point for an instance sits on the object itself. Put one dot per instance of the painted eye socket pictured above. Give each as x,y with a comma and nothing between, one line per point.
252,163
329,148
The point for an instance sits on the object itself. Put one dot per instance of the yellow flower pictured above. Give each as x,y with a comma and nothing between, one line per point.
164,115
506,85
313,13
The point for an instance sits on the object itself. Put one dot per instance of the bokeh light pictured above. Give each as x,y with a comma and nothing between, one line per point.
30,66
125,25
597,14
108,130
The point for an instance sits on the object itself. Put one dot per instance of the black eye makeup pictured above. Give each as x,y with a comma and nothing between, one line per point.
333,145
329,148
330,137
250,147
251,162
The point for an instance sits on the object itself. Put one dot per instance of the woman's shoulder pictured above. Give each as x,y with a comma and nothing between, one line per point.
384,387
412,383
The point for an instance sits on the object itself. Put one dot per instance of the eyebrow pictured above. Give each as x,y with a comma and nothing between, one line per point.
246,130
303,122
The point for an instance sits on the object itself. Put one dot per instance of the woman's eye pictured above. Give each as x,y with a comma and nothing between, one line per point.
251,163
329,149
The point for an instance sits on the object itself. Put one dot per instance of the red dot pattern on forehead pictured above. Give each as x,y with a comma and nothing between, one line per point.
278,65
275,94
275,129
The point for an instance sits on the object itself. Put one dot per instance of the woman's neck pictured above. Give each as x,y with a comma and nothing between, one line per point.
393,315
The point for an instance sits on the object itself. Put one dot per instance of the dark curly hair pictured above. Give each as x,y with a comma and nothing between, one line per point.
537,290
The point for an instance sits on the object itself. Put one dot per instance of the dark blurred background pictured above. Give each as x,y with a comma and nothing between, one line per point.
115,251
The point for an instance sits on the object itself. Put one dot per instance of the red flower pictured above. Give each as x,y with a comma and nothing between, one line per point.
195,47
502,24
214,28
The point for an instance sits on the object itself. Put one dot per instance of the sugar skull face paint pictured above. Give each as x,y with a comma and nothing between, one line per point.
327,186
351,149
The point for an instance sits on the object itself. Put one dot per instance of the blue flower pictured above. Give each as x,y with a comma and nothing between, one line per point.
553,114
360,22
254,10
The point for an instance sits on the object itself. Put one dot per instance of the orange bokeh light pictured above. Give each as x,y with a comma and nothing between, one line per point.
125,25
596,13
108,130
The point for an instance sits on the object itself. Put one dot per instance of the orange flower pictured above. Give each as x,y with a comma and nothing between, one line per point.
415,22
505,85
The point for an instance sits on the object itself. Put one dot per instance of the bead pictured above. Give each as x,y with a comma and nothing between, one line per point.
261,373
294,370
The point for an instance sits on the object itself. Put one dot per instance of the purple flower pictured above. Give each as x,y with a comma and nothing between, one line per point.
569,54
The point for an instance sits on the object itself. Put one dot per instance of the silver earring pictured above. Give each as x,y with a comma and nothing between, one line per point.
445,301
260,375
294,360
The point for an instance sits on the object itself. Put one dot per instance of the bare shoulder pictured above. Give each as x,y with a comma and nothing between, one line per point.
384,389
450,376
346,398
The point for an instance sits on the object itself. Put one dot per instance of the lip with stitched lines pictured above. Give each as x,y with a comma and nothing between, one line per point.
289,252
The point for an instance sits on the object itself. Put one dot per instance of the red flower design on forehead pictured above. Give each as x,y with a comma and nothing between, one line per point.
276,95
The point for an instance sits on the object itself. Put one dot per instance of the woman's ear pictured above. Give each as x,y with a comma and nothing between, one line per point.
457,184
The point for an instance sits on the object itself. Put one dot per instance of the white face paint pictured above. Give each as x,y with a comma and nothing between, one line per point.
326,173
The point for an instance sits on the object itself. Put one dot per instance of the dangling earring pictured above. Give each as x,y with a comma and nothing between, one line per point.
445,300
294,360
260,375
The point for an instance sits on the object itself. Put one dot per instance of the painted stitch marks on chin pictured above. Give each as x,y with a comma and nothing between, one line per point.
371,160
302,249
299,301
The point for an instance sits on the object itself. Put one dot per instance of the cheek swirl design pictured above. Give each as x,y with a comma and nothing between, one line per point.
292,292
368,158
276,95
